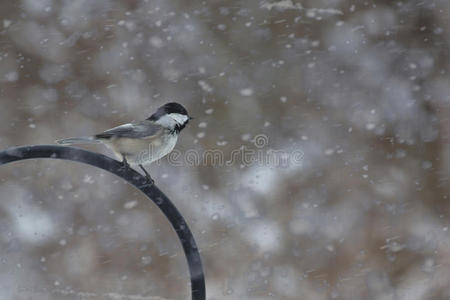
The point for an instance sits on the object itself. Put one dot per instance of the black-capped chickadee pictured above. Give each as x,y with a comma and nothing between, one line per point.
142,142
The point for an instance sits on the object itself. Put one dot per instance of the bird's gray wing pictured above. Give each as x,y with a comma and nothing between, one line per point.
139,130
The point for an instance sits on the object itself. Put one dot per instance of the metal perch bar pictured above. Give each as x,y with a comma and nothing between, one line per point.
151,191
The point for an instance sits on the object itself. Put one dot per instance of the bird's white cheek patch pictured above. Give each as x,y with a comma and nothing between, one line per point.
166,121
179,118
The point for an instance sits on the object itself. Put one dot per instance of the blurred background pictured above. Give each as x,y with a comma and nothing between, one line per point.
360,88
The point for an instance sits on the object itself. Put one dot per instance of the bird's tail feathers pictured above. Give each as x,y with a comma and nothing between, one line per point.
78,140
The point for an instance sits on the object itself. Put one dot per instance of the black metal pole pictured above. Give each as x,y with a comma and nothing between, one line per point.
152,192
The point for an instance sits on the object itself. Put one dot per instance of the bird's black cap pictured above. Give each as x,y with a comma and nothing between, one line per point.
169,108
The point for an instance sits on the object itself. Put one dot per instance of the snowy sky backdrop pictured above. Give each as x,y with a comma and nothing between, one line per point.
361,88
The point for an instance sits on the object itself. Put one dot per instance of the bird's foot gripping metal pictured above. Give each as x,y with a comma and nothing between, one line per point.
125,165
150,180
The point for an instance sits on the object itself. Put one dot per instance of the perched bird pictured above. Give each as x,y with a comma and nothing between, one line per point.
142,142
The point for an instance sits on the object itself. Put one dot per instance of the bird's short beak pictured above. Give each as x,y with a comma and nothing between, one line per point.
191,118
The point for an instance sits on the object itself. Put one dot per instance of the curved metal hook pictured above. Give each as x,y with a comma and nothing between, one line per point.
113,166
